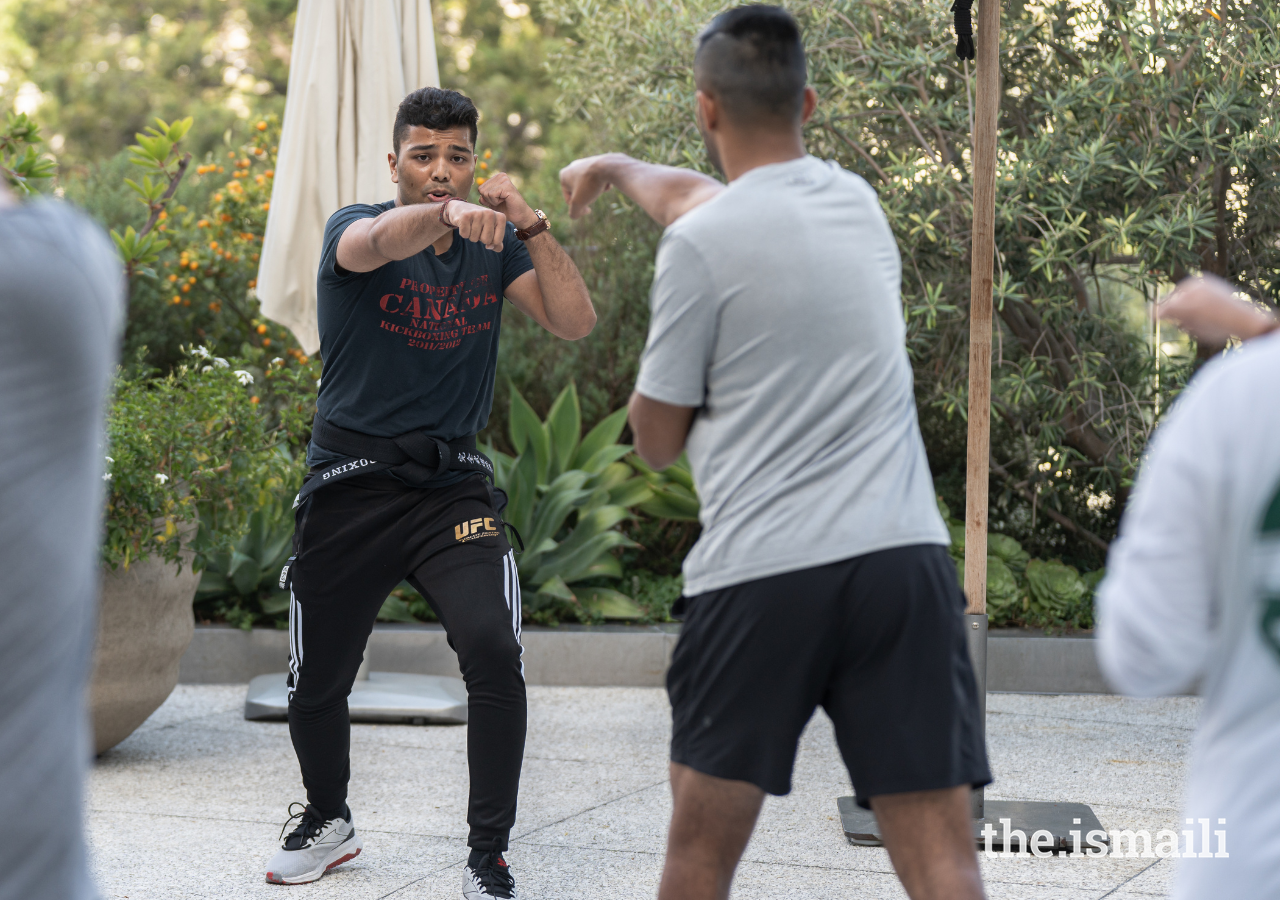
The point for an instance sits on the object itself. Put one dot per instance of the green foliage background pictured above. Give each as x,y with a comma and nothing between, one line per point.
1140,142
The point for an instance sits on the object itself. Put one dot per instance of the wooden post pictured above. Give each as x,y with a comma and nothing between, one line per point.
987,107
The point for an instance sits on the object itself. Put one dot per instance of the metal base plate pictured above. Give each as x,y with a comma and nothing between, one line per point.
385,697
1059,819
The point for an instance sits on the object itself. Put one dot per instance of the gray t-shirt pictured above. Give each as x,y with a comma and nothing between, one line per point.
776,312
61,311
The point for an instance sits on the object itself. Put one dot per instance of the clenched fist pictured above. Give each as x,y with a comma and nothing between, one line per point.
477,223
582,184
1208,309
499,194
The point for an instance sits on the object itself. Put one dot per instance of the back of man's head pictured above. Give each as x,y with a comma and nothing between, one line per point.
437,109
751,59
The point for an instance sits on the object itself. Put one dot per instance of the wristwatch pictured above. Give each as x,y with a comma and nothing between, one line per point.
538,227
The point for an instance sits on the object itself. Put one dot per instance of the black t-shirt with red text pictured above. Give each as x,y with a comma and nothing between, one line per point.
412,345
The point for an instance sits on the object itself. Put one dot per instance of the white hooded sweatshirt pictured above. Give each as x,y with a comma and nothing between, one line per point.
1192,595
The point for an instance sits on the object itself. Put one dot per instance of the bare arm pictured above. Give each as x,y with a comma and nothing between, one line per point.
553,294
660,429
1208,310
399,233
665,192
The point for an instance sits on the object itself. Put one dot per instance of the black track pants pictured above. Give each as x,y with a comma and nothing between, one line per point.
355,541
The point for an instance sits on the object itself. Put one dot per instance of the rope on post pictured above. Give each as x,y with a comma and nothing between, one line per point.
964,28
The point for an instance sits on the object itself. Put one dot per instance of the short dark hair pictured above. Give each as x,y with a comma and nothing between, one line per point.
752,59
433,107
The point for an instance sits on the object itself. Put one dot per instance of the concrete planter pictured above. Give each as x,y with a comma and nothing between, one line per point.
145,624
1018,660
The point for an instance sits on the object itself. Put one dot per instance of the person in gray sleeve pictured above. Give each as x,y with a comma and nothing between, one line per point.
61,311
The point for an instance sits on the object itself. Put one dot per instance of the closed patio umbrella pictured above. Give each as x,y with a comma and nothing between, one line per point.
352,63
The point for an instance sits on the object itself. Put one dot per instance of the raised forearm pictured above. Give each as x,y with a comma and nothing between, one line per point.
565,301
406,230
664,192
1207,308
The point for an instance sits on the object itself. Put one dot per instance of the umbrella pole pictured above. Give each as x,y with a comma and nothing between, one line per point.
996,824
977,469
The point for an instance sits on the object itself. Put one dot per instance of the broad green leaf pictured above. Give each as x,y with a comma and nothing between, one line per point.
555,587
212,583
574,563
245,572
631,492
671,502
276,602
528,433
605,456
178,130
612,475
610,604
606,433
605,567
560,499
680,473
522,493
564,426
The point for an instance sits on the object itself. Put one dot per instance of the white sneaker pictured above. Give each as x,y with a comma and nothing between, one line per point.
313,848
489,879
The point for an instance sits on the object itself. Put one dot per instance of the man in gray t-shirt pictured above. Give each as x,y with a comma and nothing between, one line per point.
61,308
776,355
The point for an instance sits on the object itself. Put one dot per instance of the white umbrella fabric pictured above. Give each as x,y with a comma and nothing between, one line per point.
353,61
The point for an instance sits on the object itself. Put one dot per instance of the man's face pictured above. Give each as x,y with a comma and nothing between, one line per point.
434,164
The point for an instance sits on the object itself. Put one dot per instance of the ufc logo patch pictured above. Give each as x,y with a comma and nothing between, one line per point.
475,528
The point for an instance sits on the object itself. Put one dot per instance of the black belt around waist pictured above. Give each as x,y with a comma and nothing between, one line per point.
415,458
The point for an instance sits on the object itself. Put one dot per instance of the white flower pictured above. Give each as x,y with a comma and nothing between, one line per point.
109,459
245,378
202,352
317,384
106,476
221,363
206,369
161,477
277,361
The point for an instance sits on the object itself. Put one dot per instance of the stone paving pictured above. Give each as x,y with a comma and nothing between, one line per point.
190,806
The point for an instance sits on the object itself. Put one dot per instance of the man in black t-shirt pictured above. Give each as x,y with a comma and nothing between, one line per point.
409,307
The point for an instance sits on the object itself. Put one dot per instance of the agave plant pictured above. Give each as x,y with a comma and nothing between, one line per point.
250,570
674,496
567,495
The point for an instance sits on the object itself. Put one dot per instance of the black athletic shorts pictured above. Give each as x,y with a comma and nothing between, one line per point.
877,640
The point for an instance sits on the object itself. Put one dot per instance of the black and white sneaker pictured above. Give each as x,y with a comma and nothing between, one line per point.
314,847
488,877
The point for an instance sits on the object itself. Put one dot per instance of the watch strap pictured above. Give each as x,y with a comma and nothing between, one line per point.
537,228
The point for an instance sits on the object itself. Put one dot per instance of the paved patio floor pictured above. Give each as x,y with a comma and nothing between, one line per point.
190,805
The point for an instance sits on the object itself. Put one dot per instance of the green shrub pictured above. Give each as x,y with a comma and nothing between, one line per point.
1027,592
241,583
192,445
568,493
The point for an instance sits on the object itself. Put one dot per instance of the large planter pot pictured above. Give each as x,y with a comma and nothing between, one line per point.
145,623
